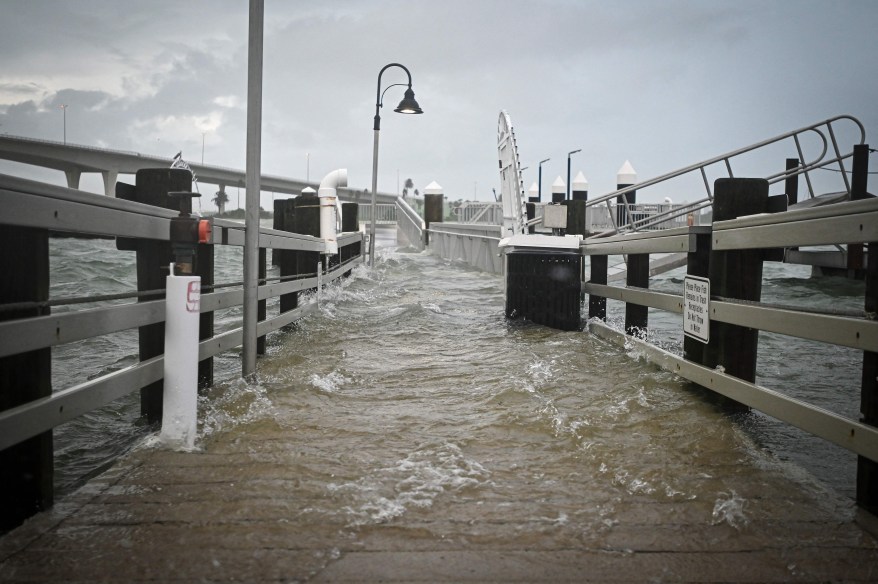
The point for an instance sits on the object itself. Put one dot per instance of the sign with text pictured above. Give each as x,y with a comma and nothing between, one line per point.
696,303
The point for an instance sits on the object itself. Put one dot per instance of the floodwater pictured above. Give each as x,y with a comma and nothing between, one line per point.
412,376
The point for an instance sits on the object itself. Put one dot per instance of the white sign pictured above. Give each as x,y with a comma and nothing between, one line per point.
696,304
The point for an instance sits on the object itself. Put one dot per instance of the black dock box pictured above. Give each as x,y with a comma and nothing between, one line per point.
543,286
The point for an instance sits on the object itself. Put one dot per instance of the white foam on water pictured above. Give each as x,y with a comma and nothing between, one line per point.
231,404
330,383
729,508
412,482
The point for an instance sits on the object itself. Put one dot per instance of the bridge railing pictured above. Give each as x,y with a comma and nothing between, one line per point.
32,322
385,213
726,363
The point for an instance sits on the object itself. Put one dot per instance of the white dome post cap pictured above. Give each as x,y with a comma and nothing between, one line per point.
433,189
626,175
579,183
534,189
559,186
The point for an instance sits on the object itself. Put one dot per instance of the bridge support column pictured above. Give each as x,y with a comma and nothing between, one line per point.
110,177
73,177
26,469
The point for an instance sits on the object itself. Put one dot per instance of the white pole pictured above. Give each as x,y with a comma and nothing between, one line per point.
254,162
374,193
180,396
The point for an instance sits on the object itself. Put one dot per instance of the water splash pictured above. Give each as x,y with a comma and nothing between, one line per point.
729,508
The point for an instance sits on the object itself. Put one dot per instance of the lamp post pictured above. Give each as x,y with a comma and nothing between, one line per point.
202,148
408,105
540,183
567,196
64,108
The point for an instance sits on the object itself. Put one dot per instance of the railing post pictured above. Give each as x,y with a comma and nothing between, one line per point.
697,264
286,258
26,469
791,183
204,267
626,177
307,223
867,469
859,179
637,275
261,311
434,211
597,305
736,274
152,186
278,223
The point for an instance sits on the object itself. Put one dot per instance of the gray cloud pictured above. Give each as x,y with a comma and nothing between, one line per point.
662,84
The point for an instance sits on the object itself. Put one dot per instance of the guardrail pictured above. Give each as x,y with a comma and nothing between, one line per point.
28,330
730,255
409,225
473,243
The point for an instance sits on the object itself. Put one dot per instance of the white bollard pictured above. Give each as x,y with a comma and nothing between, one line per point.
180,409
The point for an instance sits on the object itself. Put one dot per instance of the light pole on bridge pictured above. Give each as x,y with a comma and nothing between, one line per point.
63,106
567,196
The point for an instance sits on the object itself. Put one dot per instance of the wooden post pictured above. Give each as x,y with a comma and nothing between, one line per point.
261,311
597,305
434,211
736,274
697,264
791,183
204,267
307,223
531,208
278,223
559,190
350,222
867,469
626,177
286,259
152,186
26,469
637,275
859,179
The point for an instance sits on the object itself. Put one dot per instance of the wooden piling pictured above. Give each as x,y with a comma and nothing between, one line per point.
434,211
736,274
626,177
152,186
261,310
697,264
285,217
867,469
791,183
597,305
637,275
350,222
307,222
26,469
856,261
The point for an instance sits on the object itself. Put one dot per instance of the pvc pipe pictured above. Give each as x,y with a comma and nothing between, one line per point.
328,212
180,409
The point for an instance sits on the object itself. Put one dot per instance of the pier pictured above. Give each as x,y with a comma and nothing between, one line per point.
402,428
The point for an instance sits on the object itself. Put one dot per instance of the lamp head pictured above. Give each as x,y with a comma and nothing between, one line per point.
409,105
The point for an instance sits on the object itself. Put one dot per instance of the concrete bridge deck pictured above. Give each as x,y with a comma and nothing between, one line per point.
235,511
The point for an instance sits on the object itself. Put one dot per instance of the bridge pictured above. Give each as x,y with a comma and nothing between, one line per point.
76,159
404,432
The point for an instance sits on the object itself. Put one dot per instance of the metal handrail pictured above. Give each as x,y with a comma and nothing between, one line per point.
803,168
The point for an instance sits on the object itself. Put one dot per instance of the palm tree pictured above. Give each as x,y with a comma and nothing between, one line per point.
405,189
220,201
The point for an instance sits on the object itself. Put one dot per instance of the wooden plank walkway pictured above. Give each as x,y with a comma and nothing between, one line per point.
232,513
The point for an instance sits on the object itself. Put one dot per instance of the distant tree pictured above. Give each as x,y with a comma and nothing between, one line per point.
417,193
409,183
220,200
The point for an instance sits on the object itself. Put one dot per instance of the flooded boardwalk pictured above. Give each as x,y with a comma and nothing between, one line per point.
406,432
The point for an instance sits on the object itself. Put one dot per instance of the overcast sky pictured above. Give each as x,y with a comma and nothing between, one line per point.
663,84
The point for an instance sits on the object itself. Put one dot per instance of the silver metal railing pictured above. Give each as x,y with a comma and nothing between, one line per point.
830,155
409,225
385,213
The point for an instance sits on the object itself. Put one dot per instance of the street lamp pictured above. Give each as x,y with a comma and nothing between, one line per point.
408,105
540,179
567,197
64,107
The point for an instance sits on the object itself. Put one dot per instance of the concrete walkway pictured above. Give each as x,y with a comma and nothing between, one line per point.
232,513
